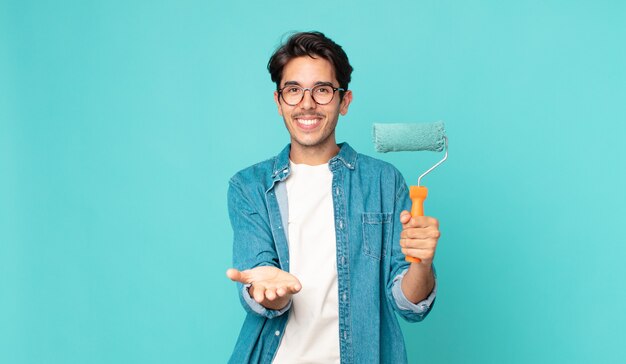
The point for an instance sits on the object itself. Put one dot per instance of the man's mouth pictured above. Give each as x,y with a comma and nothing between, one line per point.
308,121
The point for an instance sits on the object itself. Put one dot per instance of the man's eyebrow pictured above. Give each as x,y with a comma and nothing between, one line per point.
318,83
321,83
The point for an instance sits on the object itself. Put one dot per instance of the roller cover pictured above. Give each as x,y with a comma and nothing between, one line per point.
409,137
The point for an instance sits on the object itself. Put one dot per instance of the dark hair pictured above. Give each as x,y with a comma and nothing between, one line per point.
312,44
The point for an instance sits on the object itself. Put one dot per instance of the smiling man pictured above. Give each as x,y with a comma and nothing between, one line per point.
321,231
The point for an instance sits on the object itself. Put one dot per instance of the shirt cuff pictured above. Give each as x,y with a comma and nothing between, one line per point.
404,304
258,308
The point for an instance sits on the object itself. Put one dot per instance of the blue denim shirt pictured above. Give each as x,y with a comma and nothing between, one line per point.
368,196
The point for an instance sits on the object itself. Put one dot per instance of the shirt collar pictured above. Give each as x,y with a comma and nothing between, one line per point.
346,155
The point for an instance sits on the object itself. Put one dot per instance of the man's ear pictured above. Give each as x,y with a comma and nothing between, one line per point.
345,102
277,101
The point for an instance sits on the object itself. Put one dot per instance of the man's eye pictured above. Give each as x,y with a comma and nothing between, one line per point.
292,90
323,90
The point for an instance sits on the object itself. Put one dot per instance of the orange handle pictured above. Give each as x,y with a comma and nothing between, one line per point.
418,194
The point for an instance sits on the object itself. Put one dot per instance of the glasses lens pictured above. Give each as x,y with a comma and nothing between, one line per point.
292,94
322,94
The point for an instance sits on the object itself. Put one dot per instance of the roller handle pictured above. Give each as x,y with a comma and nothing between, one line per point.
418,194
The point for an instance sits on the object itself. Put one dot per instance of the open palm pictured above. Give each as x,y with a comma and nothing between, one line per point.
267,282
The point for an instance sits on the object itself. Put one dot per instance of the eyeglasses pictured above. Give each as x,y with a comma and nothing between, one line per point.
321,94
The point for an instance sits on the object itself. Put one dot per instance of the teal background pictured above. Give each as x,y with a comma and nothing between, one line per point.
121,123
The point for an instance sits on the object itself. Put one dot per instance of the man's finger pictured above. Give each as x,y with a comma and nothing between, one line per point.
258,292
418,243
270,294
416,222
238,276
422,254
420,233
421,221
405,216
234,275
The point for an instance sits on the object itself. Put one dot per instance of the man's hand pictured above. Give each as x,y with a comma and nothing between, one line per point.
419,236
418,239
270,286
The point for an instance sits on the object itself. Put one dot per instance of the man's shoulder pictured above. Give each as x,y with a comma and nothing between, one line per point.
255,173
374,164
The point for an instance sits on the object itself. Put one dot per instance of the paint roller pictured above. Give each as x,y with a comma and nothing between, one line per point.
412,137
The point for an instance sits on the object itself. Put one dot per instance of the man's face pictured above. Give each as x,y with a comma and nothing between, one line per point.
311,126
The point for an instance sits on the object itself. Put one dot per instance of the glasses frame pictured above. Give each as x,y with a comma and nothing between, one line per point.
310,89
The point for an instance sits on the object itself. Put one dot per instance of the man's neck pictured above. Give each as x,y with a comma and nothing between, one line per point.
313,156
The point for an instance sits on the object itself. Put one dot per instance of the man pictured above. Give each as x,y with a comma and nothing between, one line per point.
321,232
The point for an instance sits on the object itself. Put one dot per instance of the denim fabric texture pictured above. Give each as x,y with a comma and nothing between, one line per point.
368,196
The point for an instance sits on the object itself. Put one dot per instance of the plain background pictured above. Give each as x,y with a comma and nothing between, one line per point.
122,121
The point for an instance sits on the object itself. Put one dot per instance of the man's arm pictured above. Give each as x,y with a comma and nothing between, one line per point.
255,261
412,287
419,239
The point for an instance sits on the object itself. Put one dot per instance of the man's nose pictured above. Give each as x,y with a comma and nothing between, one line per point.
307,100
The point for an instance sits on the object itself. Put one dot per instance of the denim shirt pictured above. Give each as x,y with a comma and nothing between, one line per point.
368,196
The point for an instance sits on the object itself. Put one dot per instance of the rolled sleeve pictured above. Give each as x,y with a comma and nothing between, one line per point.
413,311
258,308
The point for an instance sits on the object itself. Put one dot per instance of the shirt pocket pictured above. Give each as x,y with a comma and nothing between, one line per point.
376,230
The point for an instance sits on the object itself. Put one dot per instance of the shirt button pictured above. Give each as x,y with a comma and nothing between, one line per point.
277,333
341,224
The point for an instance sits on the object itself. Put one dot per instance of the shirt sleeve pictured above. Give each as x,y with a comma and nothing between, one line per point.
257,307
421,308
253,244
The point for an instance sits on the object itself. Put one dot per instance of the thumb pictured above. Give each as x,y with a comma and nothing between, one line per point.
405,216
236,276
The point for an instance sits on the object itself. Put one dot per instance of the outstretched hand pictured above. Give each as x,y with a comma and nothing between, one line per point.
270,286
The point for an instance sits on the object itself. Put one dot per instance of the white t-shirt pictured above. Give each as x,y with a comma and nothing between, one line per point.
312,331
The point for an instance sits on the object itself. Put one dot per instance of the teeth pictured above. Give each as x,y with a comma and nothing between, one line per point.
307,121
